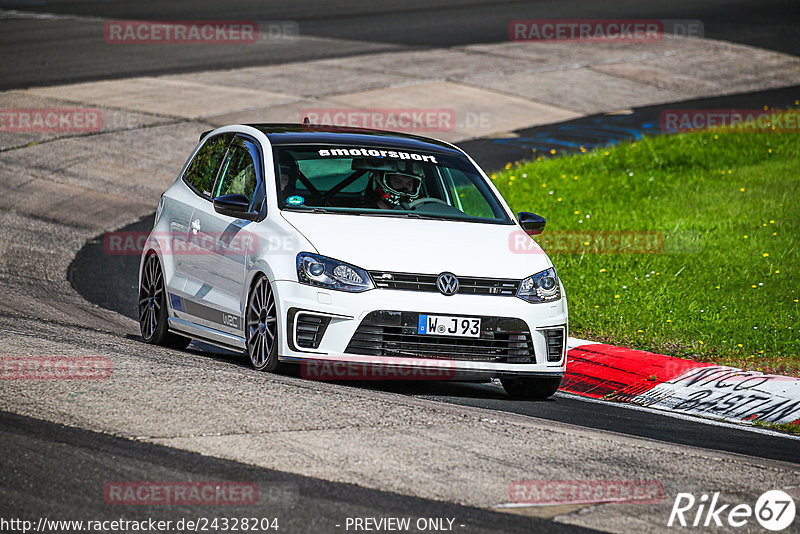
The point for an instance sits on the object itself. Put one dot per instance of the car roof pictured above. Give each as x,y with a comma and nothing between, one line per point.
292,134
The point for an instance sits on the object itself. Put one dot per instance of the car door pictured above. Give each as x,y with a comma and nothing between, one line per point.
218,267
179,204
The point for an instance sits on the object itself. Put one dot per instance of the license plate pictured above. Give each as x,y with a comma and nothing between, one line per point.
448,325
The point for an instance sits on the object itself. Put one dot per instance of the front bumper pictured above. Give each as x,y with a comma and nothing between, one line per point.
343,313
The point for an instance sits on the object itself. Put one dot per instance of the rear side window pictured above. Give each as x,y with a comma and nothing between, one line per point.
203,169
238,174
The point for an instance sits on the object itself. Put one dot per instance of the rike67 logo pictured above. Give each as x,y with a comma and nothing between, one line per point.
774,510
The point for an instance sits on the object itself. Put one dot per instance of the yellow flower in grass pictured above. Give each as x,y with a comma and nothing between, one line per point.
602,270
616,296
577,212
741,189
493,176
508,166
669,320
740,345
552,150
766,254
559,199
512,178
639,331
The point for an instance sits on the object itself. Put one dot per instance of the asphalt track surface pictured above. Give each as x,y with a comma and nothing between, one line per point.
33,485
116,290
70,46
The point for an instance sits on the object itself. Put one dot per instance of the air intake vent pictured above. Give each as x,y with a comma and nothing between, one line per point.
555,344
310,329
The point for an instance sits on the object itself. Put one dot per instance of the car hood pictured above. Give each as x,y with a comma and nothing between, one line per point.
421,245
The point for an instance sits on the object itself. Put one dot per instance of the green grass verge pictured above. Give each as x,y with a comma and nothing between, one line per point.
721,286
789,428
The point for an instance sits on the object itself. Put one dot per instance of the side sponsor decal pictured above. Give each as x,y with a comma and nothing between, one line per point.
205,312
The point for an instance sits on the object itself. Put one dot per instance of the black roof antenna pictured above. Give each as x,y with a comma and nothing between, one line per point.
306,121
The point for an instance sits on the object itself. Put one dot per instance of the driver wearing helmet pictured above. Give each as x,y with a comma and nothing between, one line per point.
289,173
393,190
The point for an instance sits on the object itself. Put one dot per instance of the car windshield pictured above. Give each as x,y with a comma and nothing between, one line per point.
383,181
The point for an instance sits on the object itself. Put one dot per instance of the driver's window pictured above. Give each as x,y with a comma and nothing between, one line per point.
466,197
238,173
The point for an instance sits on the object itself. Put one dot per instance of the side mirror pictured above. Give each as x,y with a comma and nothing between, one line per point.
531,223
234,205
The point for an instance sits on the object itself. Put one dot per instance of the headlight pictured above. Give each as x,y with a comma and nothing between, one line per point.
541,287
316,270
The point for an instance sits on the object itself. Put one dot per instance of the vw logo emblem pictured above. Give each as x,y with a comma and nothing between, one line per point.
447,283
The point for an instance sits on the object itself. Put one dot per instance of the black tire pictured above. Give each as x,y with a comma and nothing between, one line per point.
261,327
153,308
531,388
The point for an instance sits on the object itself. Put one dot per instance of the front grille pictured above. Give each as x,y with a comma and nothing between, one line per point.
554,339
427,282
394,333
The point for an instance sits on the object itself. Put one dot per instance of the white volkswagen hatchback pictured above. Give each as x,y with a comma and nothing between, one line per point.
352,252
